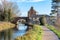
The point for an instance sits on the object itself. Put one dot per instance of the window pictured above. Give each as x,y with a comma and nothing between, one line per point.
34,19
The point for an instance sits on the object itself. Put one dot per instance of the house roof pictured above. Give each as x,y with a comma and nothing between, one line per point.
32,10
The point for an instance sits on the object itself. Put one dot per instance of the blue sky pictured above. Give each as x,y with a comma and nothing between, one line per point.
41,6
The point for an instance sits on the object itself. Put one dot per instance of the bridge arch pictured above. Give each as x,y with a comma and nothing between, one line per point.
21,21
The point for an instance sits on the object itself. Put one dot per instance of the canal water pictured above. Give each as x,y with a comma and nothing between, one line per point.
21,30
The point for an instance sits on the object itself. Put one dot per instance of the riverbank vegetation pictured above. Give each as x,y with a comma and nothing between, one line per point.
32,34
57,32
6,25
6,30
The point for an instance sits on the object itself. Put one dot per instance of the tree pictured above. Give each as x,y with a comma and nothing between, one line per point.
10,9
1,13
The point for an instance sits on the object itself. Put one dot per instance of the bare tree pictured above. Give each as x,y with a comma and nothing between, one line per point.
1,13
9,9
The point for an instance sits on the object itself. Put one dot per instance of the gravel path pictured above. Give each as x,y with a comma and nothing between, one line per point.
48,35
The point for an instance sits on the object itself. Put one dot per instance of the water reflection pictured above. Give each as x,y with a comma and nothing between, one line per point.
21,30
21,26
18,33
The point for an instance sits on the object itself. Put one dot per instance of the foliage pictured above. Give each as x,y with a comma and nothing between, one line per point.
9,10
41,21
1,17
33,34
1,13
57,32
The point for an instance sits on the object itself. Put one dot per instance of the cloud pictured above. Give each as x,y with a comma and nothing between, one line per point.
30,0
0,1
26,0
35,0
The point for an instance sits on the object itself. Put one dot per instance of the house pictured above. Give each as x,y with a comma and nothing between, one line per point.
37,19
33,18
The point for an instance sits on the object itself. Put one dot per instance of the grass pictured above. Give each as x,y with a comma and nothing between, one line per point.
39,31
33,34
6,25
57,32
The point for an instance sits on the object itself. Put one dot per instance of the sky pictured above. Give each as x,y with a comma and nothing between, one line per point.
41,6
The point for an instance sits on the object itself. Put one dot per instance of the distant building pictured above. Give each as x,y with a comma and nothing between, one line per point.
31,12
33,18
37,19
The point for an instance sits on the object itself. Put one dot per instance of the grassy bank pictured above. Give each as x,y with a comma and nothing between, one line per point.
32,34
57,32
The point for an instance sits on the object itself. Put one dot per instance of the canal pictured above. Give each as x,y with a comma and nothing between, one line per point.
21,30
